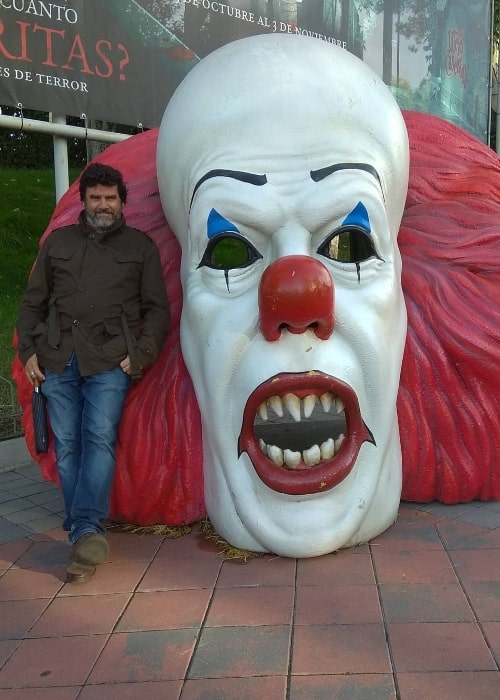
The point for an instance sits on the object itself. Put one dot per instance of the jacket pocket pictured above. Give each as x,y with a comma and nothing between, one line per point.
106,342
115,345
125,256
62,251
127,270
115,349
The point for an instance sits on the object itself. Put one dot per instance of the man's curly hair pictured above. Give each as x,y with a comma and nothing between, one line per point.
100,174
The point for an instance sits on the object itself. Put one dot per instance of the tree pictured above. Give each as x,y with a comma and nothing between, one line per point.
19,149
496,25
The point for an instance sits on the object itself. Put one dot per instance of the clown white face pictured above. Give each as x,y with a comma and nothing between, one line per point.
283,165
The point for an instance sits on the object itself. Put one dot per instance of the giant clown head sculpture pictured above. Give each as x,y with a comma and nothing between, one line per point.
449,393
282,166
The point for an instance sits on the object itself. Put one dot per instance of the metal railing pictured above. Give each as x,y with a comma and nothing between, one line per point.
10,411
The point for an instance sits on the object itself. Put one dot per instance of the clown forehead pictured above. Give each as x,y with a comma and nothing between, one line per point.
278,104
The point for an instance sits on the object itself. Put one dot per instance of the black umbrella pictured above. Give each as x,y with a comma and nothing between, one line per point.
40,423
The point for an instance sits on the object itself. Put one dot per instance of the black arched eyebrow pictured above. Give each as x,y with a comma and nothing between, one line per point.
249,178
318,175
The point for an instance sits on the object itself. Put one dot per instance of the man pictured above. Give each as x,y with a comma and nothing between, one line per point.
95,313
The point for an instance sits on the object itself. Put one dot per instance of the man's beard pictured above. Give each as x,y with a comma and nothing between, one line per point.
100,222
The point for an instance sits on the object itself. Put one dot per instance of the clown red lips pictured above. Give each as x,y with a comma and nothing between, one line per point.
293,321
316,468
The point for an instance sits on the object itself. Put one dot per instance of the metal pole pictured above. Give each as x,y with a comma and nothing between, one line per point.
76,132
61,165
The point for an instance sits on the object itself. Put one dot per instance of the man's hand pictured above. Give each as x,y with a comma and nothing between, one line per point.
33,371
125,365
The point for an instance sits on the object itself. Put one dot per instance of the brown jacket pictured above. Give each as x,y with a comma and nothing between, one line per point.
101,295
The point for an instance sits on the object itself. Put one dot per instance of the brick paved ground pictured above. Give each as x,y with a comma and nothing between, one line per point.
413,615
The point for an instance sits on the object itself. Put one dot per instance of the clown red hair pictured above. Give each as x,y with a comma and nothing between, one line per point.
449,398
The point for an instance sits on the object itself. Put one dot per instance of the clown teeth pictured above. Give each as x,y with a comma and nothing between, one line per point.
275,454
328,449
276,404
292,459
292,404
302,458
309,403
338,442
310,457
326,401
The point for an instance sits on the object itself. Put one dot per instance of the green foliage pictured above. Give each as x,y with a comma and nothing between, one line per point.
26,202
27,199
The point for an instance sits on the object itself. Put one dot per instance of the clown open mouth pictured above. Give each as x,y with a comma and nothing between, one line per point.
315,449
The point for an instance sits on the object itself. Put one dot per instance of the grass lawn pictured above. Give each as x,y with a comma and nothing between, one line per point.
27,200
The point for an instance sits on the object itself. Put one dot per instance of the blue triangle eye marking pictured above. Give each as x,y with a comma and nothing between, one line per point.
358,217
216,223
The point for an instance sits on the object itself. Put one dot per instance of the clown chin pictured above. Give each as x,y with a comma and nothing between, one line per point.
252,516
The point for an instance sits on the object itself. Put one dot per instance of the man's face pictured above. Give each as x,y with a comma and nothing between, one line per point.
293,323
103,206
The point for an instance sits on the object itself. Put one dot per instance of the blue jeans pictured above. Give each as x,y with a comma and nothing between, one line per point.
84,414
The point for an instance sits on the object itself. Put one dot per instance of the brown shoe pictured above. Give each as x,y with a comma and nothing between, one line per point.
79,573
91,549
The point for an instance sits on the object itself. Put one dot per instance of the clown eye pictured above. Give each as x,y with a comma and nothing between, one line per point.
227,251
348,244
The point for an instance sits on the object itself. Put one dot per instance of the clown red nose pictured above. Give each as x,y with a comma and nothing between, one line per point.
296,293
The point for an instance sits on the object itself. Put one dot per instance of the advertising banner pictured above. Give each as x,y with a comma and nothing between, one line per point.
119,60
105,59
